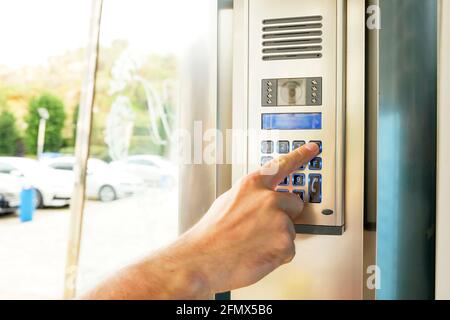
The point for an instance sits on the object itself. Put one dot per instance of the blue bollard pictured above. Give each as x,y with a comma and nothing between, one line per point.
27,204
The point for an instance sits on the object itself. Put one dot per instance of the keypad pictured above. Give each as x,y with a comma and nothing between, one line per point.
305,184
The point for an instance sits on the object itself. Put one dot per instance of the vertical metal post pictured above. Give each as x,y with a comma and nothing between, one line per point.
44,116
198,114
406,155
443,155
84,127
371,151
41,137
224,100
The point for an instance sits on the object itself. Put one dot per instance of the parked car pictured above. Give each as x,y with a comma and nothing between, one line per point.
51,188
10,188
154,170
103,182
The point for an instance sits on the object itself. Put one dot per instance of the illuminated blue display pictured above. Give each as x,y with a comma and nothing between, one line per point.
292,121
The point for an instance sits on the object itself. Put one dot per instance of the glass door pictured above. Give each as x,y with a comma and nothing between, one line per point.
132,184
148,57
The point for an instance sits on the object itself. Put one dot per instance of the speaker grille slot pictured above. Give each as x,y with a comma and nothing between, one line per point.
290,38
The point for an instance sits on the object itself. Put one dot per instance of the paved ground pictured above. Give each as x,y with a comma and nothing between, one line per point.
33,254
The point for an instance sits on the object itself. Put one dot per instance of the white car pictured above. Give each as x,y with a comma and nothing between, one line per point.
51,188
154,170
10,188
103,182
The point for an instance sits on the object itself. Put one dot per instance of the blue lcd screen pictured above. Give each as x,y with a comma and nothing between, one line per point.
292,121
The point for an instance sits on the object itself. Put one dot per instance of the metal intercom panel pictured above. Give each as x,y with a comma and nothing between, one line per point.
296,95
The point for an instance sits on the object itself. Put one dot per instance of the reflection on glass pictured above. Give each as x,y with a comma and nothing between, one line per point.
41,69
132,187
136,105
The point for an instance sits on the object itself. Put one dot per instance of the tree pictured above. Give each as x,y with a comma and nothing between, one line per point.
74,124
9,135
54,127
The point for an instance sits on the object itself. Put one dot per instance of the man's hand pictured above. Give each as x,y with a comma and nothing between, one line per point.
249,231
246,234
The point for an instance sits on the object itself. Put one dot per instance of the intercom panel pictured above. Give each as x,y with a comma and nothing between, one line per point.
295,96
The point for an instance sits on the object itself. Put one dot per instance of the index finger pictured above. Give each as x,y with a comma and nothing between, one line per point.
277,170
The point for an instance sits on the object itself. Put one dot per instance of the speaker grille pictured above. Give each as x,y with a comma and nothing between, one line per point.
292,38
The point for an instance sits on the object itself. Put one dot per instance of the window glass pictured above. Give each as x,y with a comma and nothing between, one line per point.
6,168
130,210
62,166
132,206
42,60
142,162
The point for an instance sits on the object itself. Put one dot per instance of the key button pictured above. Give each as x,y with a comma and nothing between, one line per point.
267,147
315,188
315,164
285,182
265,160
319,143
300,193
298,180
297,144
283,147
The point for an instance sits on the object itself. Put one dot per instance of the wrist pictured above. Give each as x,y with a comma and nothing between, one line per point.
180,273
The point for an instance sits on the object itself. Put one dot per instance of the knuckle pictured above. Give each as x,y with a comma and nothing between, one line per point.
294,200
285,242
250,180
280,220
283,160
290,254
271,200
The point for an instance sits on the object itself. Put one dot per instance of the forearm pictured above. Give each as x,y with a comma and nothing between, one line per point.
168,274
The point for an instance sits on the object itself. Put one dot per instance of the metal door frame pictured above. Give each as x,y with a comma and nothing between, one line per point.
83,138
443,168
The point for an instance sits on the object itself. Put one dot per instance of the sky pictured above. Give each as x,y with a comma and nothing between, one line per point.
31,31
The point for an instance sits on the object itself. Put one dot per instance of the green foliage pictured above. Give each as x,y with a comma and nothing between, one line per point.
16,93
74,124
54,127
3,102
9,135
99,152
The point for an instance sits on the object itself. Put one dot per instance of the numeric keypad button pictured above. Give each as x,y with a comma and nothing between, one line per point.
283,147
267,147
